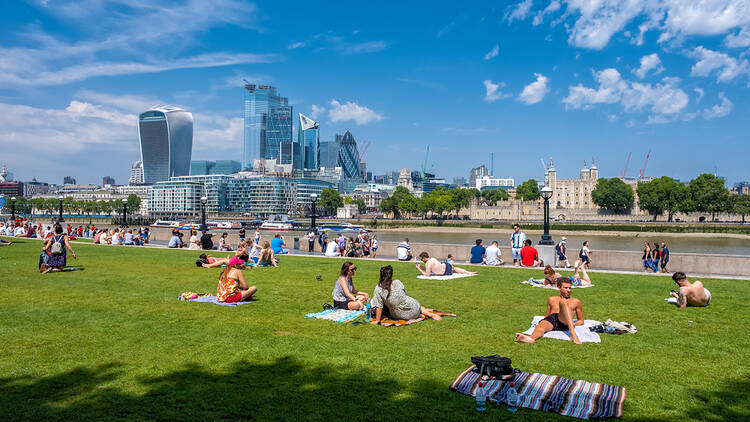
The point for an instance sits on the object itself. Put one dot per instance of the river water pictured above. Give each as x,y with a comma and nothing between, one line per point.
683,243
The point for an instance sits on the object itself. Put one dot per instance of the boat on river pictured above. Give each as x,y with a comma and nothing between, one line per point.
343,227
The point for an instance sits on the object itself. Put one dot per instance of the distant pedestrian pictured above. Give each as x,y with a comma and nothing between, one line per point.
374,245
664,257
646,257
517,241
562,252
310,240
477,253
586,254
323,239
655,257
241,234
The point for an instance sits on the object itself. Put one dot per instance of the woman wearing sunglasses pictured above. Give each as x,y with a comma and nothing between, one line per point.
345,296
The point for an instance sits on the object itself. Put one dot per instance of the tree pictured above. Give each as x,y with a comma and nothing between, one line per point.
408,205
389,205
361,207
330,200
461,199
494,195
528,190
649,198
474,192
613,194
663,195
741,206
708,194
134,203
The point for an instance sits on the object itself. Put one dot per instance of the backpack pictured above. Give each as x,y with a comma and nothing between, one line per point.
493,366
557,248
57,246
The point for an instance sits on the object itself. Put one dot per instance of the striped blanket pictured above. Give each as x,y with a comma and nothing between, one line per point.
337,315
210,299
575,398
387,322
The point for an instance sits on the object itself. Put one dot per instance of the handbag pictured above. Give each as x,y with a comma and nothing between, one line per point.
493,366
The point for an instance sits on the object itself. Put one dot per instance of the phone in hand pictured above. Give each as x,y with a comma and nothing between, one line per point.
673,291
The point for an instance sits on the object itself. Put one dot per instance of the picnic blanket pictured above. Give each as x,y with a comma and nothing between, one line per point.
337,315
540,283
444,277
575,398
206,298
388,322
584,334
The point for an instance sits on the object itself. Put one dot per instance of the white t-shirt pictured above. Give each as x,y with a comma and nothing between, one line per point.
116,238
332,249
492,254
402,250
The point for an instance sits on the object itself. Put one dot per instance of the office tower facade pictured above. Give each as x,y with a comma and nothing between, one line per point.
477,173
328,154
349,157
203,167
278,135
258,101
308,136
69,180
166,136
108,180
136,174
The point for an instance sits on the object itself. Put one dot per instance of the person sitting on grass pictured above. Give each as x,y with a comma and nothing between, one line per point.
232,286
577,279
54,252
223,243
345,296
266,258
530,256
391,294
434,267
278,243
690,294
559,315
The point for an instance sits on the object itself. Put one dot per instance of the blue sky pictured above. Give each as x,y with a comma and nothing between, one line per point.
526,80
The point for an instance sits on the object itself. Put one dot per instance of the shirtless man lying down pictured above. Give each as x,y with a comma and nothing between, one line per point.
434,267
690,294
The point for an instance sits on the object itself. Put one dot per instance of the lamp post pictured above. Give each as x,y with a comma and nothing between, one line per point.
61,219
13,209
204,201
313,199
546,238
124,212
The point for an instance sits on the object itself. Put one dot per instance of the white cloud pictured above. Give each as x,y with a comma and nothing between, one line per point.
519,11
296,45
317,111
648,63
662,98
728,68
492,53
493,91
535,91
597,21
552,7
128,102
700,94
719,110
351,111
740,39
363,47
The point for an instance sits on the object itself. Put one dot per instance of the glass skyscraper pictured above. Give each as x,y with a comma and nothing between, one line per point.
278,142
258,101
329,154
308,136
166,138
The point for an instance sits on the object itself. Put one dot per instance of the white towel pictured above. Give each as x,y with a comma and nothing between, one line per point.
444,277
540,283
671,300
584,334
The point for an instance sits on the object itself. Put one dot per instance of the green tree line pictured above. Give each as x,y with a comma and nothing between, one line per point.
72,206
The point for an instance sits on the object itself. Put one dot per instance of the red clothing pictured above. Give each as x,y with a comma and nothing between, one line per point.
527,256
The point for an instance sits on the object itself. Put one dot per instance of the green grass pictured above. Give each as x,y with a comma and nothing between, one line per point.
112,342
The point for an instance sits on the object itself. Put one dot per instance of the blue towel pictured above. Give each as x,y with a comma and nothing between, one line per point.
337,315
212,299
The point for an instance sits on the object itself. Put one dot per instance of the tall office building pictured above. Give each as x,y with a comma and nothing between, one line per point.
136,174
203,167
328,155
258,101
349,157
166,135
308,136
278,142
69,180
108,180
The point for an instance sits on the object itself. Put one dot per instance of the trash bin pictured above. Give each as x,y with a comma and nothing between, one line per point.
296,243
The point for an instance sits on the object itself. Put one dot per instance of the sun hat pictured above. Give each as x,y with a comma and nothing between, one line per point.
563,239
235,261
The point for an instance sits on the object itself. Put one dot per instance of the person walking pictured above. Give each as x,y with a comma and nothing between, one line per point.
562,252
655,257
586,255
517,240
664,257
310,240
646,257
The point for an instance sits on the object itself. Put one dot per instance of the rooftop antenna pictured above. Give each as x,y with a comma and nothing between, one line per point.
492,164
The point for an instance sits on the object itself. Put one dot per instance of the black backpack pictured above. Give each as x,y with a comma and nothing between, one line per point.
493,366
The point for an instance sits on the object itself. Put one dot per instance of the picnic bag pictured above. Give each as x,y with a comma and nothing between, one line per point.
493,366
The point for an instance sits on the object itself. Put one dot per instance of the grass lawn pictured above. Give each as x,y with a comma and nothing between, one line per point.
113,342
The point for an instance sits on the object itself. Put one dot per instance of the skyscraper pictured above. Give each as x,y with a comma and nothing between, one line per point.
166,135
308,136
136,174
278,135
258,101
349,157
329,154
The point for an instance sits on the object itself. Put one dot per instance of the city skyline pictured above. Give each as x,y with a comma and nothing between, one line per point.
525,80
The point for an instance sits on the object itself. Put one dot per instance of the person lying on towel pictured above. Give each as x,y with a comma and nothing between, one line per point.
208,261
232,286
577,279
392,294
559,316
690,294
434,267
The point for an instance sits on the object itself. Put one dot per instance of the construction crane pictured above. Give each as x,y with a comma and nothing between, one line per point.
365,145
645,163
544,166
424,165
625,170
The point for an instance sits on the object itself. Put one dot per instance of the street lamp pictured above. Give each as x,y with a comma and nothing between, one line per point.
125,212
546,238
13,209
204,201
313,199
61,219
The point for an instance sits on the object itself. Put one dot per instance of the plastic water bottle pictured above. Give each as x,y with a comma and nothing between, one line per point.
367,312
511,397
481,394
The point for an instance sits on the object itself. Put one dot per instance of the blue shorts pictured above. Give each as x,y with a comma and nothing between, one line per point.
585,259
448,268
516,253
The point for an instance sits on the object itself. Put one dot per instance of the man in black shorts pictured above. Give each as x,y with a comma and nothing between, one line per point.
559,316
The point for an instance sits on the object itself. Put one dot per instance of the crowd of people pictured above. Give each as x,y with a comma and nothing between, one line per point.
654,258
361,246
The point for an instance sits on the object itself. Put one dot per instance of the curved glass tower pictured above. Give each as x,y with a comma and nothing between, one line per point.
349,157
166,137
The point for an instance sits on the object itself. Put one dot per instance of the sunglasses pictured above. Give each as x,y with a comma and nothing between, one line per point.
352,268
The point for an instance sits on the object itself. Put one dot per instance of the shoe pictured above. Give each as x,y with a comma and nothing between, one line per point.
327,306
